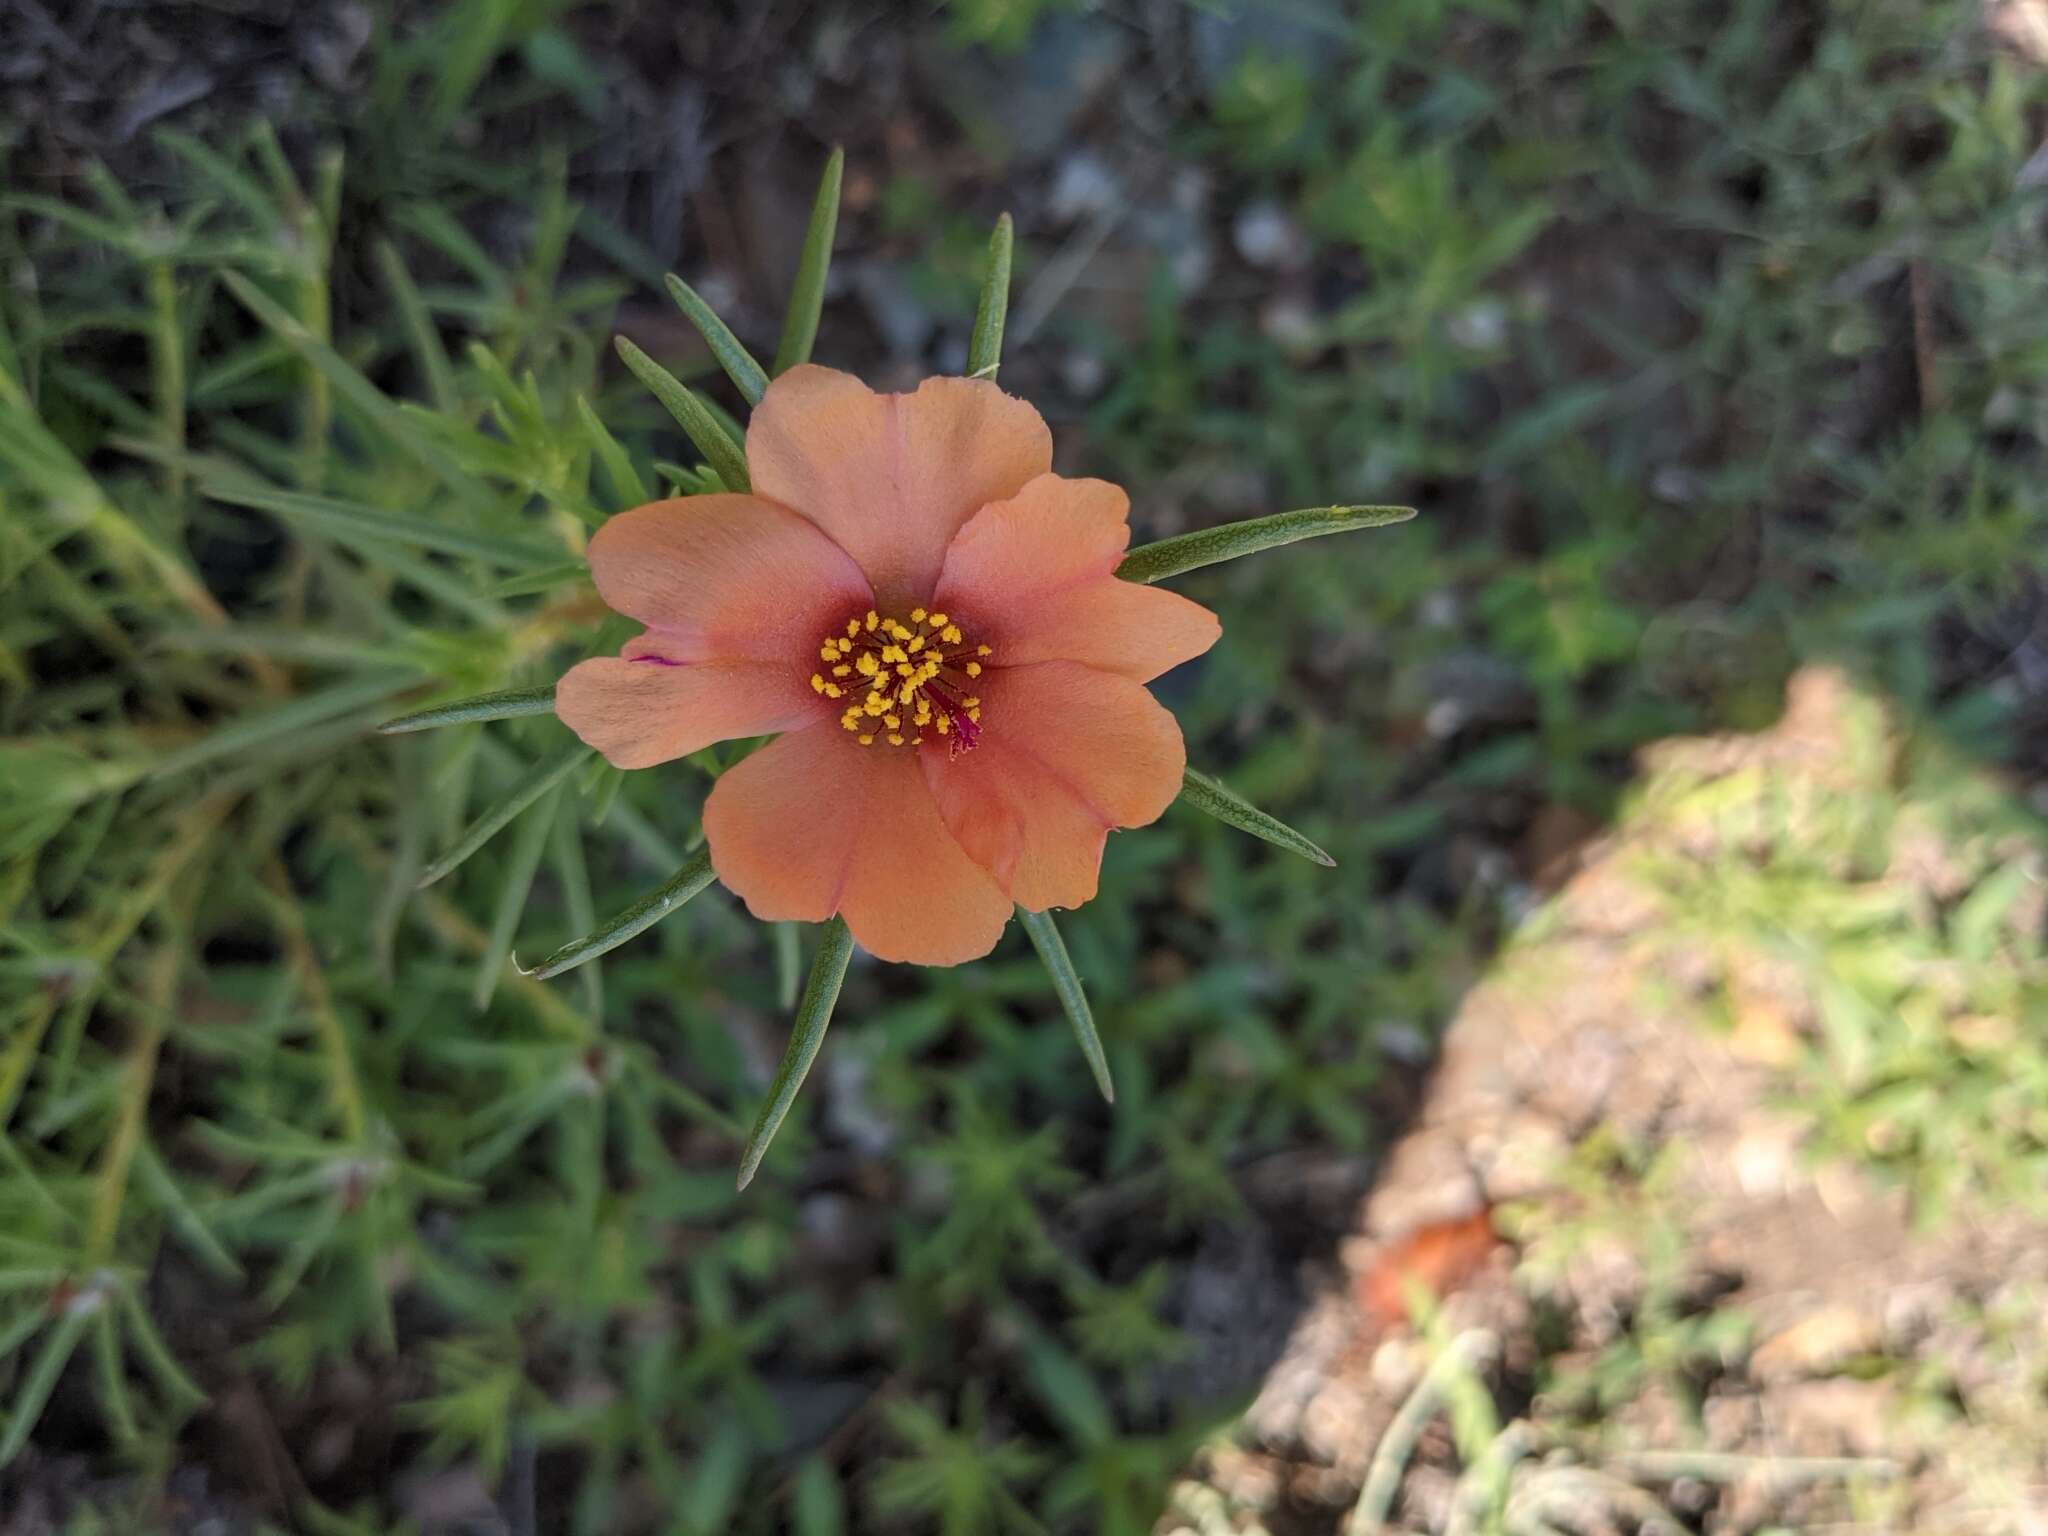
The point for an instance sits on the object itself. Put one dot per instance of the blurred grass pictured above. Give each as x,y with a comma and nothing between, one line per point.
1708,339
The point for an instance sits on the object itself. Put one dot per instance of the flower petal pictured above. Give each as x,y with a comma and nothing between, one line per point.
638,711
814,824
726,578
1035,578
1066,753
892,477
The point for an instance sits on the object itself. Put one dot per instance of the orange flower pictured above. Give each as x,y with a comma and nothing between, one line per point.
933,621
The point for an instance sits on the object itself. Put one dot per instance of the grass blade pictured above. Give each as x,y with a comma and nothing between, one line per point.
372,403
418,323
1066,981
691,414
985,345
545,776
1207,546
179,1387
573,873
813,1013
41,1380
178,1211
517,886
264,728
508,705
635,920
807,293
627,485
739,365
1227,806
349,520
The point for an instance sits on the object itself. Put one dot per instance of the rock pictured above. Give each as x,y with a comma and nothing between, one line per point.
1083,185
1427,1179
1765,1157
1030,100
1267,238
1083,373
1835,1418
1291,325
1403,1041
1520,1158
1334,1425
1816,1345
1398,1364
1480,327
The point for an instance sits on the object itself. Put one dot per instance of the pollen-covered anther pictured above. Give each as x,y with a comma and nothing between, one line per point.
903,679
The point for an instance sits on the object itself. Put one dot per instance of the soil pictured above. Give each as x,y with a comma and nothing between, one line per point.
1601,1147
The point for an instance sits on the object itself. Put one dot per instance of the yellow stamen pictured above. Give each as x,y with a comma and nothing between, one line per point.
904,682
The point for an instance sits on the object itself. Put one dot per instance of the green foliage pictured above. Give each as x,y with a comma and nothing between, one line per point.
1923,1061
258,496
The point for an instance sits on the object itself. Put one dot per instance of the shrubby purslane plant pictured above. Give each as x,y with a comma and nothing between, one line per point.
948,642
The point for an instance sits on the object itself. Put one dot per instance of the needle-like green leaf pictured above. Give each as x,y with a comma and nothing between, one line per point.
636,919
1066,981
691,414
544,776
627,485
985,345
418,322
350,521
507,705
513,891
1207,546
1231,808
41,1379
813,1013
346,382
264,728
747,375
807,293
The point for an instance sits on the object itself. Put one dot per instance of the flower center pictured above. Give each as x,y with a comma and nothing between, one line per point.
904,681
